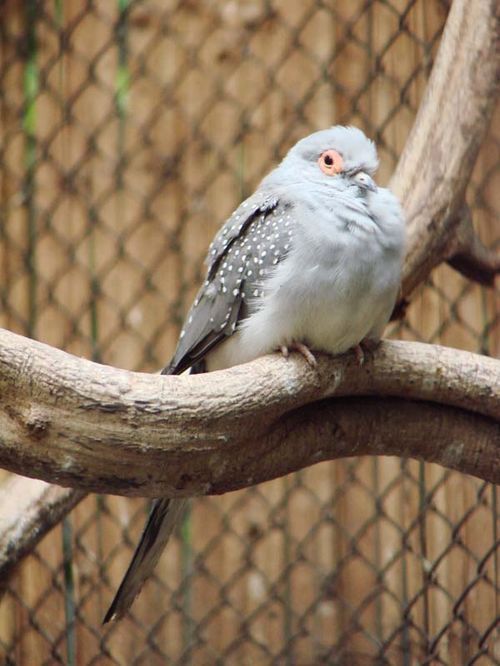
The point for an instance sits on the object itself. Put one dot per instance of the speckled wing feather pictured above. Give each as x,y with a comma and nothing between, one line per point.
254,239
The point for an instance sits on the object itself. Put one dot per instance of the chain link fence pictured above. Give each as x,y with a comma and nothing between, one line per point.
129,131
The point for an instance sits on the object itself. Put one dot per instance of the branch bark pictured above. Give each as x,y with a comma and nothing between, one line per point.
102,429
470,257
436,164
30,508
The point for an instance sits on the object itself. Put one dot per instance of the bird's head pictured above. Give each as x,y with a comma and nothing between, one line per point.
339,157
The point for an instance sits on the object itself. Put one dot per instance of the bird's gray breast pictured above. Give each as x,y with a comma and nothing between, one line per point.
335,286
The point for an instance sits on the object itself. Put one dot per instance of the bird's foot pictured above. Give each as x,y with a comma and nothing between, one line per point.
359,354
365,347
302,349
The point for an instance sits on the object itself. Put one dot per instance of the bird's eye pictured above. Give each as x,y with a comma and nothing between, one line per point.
330,162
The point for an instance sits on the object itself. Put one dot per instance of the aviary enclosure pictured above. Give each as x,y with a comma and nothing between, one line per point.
129,130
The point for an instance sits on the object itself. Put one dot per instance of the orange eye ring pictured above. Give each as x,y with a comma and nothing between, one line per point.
330,162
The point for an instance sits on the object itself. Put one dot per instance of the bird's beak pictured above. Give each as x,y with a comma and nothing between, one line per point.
364,180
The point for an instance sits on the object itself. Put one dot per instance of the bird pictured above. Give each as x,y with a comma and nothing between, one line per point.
311,262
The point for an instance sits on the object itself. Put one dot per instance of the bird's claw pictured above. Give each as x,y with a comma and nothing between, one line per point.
365,347
302,349
359,354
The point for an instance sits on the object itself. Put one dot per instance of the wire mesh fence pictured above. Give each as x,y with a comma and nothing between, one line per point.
129,131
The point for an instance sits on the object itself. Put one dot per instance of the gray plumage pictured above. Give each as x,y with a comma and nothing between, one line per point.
312,257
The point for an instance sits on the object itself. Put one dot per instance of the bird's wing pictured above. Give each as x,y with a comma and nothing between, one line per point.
254,239
164,516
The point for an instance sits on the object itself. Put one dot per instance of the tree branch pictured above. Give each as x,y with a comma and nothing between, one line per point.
30,508
436,164
470,257
103,429
459,440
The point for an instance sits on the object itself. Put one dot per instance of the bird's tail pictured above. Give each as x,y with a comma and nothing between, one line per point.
161,522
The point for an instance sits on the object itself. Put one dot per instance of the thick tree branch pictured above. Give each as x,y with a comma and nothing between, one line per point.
333,429
30,508
98,428
436,164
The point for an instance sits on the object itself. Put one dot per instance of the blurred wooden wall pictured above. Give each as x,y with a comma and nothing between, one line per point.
125,143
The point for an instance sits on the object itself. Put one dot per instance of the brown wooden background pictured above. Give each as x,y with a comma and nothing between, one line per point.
128,131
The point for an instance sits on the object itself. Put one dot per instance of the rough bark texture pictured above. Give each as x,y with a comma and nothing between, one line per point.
102,429
437,162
